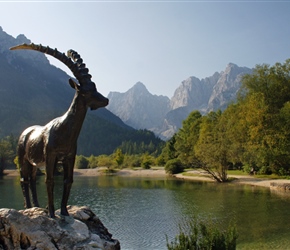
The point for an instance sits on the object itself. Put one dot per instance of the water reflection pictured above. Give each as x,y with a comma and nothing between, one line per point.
141,211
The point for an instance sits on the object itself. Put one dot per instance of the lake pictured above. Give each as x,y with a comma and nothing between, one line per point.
140,212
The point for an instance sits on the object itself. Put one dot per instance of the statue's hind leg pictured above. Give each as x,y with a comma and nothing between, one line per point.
24,181
33,186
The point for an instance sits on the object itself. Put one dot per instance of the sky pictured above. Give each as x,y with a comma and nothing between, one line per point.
159,43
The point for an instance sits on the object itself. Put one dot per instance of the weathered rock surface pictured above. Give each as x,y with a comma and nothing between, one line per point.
33,229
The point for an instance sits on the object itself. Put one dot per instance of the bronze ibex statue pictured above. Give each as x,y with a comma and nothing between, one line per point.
57,140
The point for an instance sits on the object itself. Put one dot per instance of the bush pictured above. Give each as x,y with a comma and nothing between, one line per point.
146,161
174,166
93,162
106,161
265,170
81,162
204,236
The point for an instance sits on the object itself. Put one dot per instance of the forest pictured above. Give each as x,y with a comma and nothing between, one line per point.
251,134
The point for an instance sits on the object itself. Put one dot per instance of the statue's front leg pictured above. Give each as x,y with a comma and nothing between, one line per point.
49,180
68,168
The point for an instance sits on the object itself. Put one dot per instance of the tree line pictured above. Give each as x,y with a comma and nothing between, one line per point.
252,134
141,151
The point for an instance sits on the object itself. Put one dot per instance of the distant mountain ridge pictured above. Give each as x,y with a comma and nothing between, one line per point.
140,109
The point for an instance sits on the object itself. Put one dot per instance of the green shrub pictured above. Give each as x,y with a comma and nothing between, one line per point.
247,168
146,161
93,162
174,166
204,236
265,170
106,161
81,162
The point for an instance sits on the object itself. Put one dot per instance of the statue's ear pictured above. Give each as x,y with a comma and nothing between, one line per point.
73,84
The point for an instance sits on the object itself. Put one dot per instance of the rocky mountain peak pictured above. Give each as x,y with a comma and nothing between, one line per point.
22,39
139,89
140,86
138,107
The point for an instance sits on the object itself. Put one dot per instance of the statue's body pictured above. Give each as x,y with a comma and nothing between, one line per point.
55,142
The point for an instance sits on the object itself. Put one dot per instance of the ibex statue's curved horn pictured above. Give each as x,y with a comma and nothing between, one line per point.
77,66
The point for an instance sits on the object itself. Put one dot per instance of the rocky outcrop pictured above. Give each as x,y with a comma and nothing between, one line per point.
33,229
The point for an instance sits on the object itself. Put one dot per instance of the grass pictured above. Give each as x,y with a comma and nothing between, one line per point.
201,174
236,172
151,168
259,176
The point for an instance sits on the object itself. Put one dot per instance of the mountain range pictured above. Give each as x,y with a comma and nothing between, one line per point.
32,91
163,116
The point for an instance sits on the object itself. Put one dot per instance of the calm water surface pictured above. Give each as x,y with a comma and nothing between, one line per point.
140,212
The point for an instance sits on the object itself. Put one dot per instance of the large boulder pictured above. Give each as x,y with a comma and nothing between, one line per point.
34,229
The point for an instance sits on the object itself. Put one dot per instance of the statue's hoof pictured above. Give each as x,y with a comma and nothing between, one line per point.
67,219
64,218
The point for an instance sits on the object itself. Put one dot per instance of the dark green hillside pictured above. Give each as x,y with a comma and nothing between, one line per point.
32,91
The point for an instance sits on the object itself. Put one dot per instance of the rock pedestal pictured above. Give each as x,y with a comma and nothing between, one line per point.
34,229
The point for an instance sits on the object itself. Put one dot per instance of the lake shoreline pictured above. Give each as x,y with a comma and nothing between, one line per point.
154,173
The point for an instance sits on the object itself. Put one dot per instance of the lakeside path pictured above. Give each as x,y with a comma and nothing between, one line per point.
197,176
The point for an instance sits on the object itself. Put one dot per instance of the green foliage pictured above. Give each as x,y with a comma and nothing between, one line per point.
174,166
146,161
265,170
93,161
143,141
119,157
133,161
212,146
16,162
81,162
119,160
204,236
169,151
186,139
160,161
7,152
106,161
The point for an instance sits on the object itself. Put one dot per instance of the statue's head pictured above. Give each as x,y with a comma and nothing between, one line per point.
85,86
93,98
